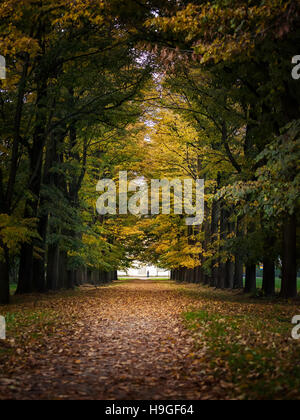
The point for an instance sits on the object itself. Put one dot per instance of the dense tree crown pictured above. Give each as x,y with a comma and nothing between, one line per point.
163,90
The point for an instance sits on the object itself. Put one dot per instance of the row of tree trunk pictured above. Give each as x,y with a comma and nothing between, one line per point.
58,276
231,276
229,273
226,276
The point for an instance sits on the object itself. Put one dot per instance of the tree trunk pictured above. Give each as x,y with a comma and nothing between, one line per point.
289,258
71,279
63,271
78,278
25,283
214,238
190,275
39,265
268,286
52,156
199,274
36,163
207,239
39,275
16,140
230,266
221,275
250,278
4,280
53,267
238,282
223,234
239,264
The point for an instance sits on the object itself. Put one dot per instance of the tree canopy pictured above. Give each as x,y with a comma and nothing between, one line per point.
162,90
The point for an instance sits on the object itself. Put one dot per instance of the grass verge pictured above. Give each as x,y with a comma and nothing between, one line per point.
247,344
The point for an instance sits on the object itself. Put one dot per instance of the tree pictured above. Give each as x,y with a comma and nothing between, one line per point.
55,67
257,78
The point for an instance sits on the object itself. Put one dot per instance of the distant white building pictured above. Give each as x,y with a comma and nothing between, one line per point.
142,270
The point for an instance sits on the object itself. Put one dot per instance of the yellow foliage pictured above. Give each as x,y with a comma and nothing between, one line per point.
14,231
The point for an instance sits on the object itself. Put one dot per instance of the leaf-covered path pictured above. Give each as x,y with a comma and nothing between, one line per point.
129,342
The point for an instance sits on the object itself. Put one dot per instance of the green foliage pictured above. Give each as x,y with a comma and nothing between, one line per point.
279,178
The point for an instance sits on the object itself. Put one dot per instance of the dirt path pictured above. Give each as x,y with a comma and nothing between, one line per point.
128,343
